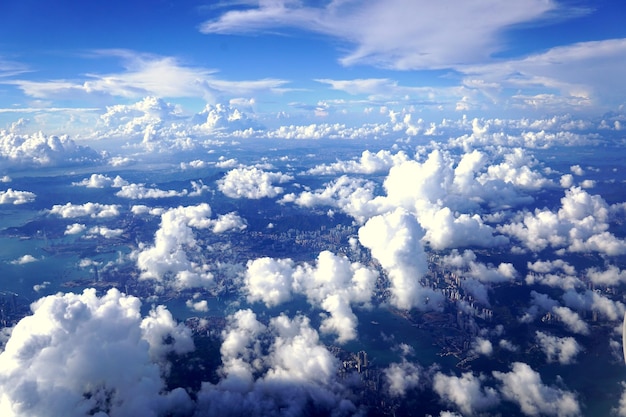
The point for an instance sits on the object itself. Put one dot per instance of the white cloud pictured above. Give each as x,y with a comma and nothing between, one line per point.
396,34
200,306
175,258
147,75
42,150
395,241
252,183
572,320
550,266
101,231
48,365
222,117
523,385
95,210
101,181
580,225
368,163
228,221
159,326
557,273
171,241
269,280
139,209
15,197
561,349
539,303
595,301
466,392
516,169
467,266
26,259
120,161
227,163
508,345
333,284
482,346
567,181
572,77
196,164
42,286
611,276
353,196
272,370
577,170
401,377
140,192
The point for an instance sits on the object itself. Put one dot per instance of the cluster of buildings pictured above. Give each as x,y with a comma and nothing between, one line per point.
12,308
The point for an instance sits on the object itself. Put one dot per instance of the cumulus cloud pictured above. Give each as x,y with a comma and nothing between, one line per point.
465,392
201,306
395,241
446,229
175,257
368,163
140,192
482,346
475,276
42,150
252,183
432,189
279,369
352,195
101,181
269,280
580,225
572,320
523,386
228,221
102,231
222,117
158,327
26,259
42,286
594,301
516,169
75,229
11,196
80,354
539,303
333,284
566,181
168,255
561,349
401,377
226,163
557,273
95,210
467,264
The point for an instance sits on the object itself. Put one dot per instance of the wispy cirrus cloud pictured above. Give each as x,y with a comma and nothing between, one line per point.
146,75
398,34
574,76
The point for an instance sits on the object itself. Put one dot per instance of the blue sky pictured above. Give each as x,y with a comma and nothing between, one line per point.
442,59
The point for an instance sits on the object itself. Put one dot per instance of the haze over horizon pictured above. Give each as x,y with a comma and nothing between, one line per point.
297,62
